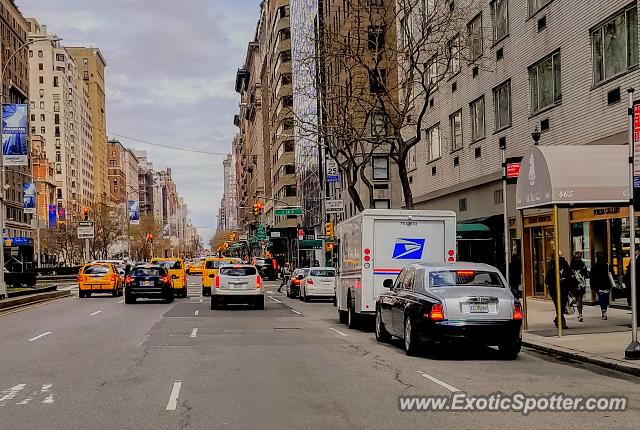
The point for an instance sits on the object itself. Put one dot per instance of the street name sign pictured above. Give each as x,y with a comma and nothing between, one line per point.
288,211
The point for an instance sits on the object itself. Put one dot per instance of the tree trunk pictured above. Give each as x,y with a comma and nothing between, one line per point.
369,186
404,180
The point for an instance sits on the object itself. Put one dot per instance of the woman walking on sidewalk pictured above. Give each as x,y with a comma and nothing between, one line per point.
580,274
601,281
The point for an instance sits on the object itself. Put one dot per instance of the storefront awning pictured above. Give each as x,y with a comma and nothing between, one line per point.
576,174
473,231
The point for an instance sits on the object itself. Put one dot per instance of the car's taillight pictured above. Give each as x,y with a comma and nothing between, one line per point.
217,281
114,277
310,281
258,281
128,279
274,263
437,313
517,312
166,279
80,278
296,281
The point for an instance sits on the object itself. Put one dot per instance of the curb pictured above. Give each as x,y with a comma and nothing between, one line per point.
17,302
32,292
589,359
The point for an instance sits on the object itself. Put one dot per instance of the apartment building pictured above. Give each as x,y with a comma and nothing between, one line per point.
92,66
43,172
15,89
561,68
117,172
228,206
60,114
131,173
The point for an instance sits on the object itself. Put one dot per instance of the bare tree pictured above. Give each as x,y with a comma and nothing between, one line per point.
109,221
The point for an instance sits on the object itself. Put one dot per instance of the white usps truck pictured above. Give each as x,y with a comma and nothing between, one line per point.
377,243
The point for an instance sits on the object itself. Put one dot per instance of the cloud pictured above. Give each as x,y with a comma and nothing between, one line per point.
170,78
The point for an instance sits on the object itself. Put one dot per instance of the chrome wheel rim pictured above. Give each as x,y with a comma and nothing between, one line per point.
407,334
378,322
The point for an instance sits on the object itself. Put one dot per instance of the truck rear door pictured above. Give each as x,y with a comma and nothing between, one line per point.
399,242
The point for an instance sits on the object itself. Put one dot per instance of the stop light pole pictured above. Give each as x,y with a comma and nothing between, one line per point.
87,252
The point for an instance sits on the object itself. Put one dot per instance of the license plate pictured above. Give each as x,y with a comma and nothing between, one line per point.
238,286
478,308
147,283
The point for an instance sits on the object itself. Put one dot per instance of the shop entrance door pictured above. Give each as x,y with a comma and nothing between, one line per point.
542,244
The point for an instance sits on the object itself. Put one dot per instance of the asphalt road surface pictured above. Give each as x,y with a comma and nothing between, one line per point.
100,364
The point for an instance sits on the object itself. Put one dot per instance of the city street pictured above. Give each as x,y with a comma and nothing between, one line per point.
100,364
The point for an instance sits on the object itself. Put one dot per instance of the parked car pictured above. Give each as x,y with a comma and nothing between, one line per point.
318,282
293,286
450,302
177,271
267,267
99,278
237,283
148,281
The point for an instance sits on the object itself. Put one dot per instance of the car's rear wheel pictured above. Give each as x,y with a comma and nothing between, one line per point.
306,298
260,303
382,335
184,293
510,350
352,317
215,304
129,299
411,344
115,292
81,294
87,294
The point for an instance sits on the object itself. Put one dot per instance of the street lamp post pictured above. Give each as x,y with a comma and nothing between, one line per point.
3,287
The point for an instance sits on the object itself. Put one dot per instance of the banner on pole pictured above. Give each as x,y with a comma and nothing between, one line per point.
29,197
636,145
62,215
15,147
134,212
53,216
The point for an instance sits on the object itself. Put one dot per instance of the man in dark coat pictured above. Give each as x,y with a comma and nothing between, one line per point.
565,286
601,282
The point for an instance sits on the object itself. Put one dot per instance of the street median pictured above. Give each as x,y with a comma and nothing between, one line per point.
41,296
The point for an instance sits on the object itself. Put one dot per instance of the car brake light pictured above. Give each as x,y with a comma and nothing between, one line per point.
166,279
296,281
113,277
466,272
80,278
275,264
517,312
437,313
310,281
217,281
128,280
258,281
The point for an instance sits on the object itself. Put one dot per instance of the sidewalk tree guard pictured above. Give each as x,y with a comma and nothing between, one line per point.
567,176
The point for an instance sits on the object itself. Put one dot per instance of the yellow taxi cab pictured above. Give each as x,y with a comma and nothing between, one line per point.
178,272
210,270
196,267
99,278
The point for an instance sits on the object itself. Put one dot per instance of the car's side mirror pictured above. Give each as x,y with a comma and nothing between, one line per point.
388,283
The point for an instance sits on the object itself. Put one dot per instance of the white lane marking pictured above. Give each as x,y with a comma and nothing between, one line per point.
295,311
338,331
46,388
196,313
274,299
95,313
12,392
121,301
173,398
48,400
40,336
201,300
24,402
439,382
270,292
146,337
194,332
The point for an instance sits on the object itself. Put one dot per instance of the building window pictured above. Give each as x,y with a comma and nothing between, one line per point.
433,142
498,197
41,79
60,57
58,157
545,83
536,5
42,117
411,158
378,123
56,106
500,19
615,45
375,2
462,205
454,55
55,81
40,66
56,119
381,204
476,111
377,80
432,71
380,168
429,7
502,106
40,54
43,130
474,30
455,121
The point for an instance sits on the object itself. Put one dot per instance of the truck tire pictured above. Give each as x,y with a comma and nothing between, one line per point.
342,316
352,317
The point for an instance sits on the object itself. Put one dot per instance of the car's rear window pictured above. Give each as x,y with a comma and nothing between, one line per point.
148,271
238,271
323,273
465,278
213,264
96,270
263,262
169,264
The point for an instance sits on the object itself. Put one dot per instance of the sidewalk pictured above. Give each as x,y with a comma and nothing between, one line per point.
593,341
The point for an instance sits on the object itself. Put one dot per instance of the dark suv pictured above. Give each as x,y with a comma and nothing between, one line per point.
267,268
148,281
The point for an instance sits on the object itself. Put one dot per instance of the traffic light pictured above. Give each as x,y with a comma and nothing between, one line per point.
85,212
149,237
329,229
328,247
258,208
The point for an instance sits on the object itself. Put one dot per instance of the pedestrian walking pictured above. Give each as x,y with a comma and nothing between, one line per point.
580,275
565,284
286,274
602,281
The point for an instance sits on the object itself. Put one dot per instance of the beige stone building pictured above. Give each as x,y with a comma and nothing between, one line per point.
92,65
117,172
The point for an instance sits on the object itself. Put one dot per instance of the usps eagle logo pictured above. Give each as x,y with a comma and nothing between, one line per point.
408,249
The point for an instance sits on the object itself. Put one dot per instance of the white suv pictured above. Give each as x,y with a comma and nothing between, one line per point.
237,283
319,282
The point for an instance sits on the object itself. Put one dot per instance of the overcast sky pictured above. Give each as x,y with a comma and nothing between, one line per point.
170,79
